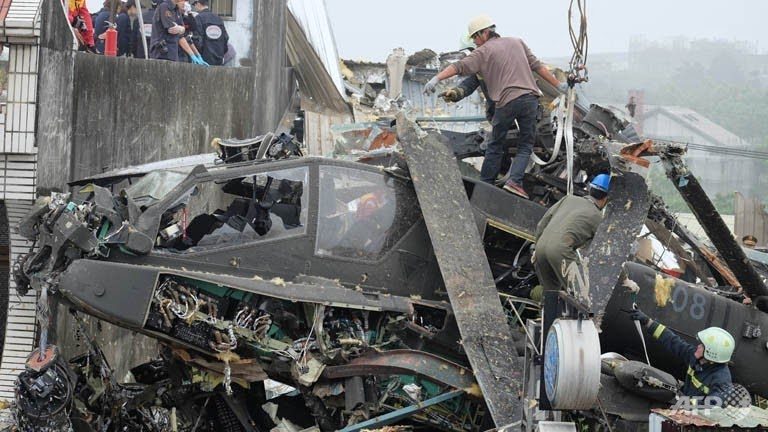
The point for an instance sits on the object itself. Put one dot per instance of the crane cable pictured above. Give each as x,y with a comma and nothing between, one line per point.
565,105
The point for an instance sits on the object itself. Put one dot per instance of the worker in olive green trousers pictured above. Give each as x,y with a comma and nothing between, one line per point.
565,227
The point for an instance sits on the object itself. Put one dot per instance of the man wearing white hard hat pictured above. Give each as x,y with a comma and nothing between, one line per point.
506,65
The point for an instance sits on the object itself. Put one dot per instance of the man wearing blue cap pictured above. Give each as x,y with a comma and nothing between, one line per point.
565,227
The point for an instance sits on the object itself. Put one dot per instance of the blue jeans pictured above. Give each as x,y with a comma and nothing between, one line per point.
523,109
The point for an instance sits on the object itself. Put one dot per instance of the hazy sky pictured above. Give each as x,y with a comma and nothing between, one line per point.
370,30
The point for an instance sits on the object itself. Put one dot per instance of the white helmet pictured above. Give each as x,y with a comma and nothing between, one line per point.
465,42
718,344
478,23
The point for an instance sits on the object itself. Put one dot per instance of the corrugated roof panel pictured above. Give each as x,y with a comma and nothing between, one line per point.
432,106
312,16
746,418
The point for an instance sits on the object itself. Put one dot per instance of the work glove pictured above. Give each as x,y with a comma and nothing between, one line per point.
196,59
638,315
176,30
631,285
453,94
429,88
563,87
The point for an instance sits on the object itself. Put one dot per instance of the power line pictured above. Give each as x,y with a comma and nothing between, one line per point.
729,151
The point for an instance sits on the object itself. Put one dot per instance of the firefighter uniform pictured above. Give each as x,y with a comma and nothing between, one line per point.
164,45
701,380
212,43
565,227
78,12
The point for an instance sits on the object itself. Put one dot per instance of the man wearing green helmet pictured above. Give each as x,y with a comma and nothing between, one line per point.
567,226
707,375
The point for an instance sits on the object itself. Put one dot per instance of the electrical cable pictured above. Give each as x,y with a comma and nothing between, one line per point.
755,154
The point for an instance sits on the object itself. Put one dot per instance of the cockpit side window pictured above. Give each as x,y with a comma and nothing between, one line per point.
362,214
153,187
267,205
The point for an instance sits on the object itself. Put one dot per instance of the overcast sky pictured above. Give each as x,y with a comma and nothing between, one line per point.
367,30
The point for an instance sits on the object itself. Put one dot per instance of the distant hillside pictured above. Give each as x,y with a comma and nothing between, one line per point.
724,81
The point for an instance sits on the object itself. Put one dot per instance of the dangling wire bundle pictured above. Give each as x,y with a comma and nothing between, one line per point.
579,41
577,73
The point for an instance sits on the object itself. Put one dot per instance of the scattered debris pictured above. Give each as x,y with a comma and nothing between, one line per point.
247,268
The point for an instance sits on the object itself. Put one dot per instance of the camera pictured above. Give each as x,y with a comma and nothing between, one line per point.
162,47
79,24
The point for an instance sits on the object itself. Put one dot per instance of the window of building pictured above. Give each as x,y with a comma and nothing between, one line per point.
223,8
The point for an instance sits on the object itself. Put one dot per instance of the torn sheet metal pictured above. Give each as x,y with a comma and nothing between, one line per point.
718,418
407,361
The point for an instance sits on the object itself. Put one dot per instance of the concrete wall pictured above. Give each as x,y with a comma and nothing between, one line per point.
99,113
54,113
273,82
129,111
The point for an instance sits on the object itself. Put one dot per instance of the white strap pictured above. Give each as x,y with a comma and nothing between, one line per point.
560,117
564,117
569,137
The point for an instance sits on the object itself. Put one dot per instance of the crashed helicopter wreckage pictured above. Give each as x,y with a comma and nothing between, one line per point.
348,281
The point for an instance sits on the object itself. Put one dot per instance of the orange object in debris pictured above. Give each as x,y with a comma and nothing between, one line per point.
673,272
368,204
110,43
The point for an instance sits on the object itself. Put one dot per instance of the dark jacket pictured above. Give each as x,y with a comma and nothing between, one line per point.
212,43
146,33
708,379
468,85
164,45
126,34
100,25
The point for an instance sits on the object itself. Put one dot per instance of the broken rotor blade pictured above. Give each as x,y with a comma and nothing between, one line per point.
465,269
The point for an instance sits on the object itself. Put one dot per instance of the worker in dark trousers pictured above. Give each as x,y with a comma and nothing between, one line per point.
168,33
506,65
127,29
213,39
707,375
565,227
468,85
